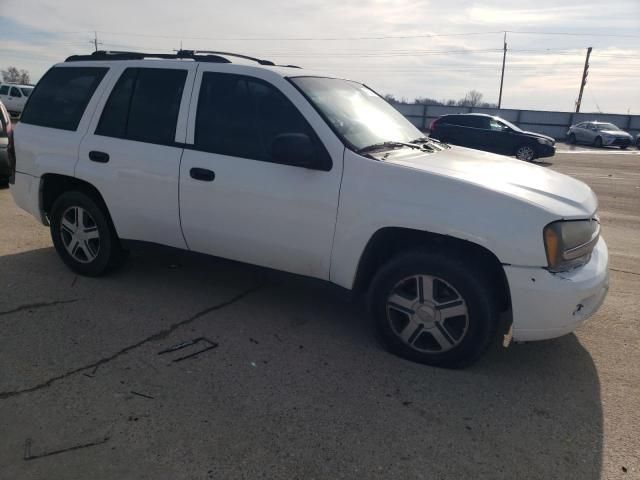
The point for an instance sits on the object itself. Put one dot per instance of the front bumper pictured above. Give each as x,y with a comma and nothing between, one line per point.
617,141
548,305
544,150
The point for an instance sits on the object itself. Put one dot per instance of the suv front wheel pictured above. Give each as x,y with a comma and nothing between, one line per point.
83,235
433,309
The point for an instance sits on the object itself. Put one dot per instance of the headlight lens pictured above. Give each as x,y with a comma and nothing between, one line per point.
545,141
569,243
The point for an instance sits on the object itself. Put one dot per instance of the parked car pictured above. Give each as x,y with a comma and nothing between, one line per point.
318,176
15,97
492,134
5,128
638,141
599,134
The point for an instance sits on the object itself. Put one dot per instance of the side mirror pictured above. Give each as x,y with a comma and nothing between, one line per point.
295,149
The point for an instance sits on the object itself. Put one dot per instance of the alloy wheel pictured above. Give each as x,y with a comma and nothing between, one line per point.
525,153
427,314
80,235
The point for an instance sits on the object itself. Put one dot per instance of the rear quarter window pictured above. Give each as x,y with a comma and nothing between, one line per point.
4,90
61,97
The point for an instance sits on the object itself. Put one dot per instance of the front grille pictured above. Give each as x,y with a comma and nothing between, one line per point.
621,141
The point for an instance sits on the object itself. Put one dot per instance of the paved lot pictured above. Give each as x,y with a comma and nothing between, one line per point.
298,386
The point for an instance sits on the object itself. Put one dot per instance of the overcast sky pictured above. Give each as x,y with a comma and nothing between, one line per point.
409,48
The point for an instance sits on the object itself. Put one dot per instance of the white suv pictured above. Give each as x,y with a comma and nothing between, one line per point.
314,175
15,97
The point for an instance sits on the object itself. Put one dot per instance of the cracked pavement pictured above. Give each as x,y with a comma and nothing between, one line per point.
298,387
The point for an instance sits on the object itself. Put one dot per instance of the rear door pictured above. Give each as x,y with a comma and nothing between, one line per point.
132,150
582,132
454,130
249,207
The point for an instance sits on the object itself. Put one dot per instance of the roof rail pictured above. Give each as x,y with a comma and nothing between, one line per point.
197,55
120,55
229,54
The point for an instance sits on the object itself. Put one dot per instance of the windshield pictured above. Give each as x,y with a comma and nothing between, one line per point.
359,116
605,126
26,91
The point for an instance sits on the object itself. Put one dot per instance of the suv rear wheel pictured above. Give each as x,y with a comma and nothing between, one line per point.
434,310
83,236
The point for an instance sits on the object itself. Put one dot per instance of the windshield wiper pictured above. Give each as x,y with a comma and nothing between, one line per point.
430,140
387,145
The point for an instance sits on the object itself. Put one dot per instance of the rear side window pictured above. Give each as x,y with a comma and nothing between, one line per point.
472,121
4,90
61,97
144,105
241,116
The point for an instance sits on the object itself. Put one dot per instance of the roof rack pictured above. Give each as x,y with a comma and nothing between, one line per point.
198,55
120,55
229,54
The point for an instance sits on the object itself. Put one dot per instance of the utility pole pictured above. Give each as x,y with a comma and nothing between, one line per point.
504,59
585,72
95,41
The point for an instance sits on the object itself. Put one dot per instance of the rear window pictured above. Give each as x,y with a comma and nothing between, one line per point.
144,105
60,98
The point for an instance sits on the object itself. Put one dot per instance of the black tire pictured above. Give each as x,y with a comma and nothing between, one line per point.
109,253
571,139
624,147
597,142
473,288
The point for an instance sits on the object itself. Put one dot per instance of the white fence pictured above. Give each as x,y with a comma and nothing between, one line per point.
554,124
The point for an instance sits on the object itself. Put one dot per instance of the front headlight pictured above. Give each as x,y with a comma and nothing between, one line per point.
569,243
545,141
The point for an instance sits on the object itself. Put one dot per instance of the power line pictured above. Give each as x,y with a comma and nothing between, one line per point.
261,39
576,34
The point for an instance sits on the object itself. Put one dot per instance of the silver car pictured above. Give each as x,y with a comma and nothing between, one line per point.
599,134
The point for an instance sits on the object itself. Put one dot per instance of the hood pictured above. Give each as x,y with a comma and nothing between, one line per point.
615,133
539,135
560,195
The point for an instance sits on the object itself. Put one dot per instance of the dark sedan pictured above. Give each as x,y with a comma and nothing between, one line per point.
492,134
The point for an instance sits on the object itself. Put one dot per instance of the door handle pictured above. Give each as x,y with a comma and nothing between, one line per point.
99,157
202,174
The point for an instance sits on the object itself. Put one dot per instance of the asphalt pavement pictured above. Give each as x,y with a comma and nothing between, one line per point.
281,377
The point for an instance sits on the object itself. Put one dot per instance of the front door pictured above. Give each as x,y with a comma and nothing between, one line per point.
235,201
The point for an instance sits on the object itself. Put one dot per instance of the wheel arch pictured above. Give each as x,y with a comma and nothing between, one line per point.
389,241
52,185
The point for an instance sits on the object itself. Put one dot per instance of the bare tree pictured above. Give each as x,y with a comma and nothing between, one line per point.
473,98
427,101
13,75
